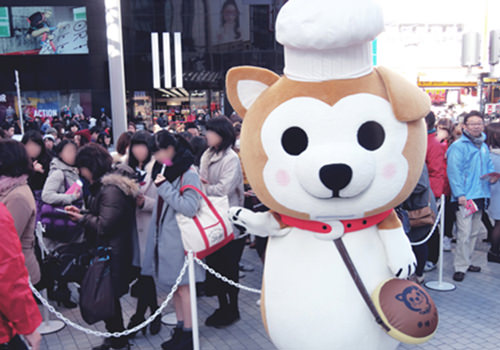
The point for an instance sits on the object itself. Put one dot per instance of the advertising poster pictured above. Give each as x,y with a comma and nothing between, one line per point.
38,30
230,21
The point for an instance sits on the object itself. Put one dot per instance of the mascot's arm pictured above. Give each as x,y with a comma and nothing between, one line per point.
259,224
400,257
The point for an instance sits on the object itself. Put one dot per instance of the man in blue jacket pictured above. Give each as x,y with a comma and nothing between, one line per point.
468,162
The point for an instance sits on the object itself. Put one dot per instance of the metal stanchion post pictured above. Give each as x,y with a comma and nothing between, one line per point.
48,326
439,285
194,307
169,319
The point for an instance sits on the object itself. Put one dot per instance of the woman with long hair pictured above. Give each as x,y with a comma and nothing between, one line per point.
221,175
165,254
230,23
122,146
104,139
140,159
35,147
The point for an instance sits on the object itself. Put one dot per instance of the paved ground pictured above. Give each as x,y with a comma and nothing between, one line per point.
469,316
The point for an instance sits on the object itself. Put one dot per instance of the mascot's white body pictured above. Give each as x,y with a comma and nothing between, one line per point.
328,163
311,301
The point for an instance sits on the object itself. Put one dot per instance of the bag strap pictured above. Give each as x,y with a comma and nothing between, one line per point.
359,283
209,203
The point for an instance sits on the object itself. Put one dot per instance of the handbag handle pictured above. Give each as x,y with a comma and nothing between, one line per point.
209,203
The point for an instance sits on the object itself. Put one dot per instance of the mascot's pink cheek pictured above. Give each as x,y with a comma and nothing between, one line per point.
282,178
390,171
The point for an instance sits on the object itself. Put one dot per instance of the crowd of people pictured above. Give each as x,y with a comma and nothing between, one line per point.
462,163
126,199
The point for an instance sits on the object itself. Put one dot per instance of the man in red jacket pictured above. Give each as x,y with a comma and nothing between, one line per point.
19,313
435,158
436,164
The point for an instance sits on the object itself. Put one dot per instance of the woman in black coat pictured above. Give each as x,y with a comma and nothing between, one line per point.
109,223
421,197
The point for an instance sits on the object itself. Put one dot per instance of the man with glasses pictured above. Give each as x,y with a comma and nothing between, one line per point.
468,163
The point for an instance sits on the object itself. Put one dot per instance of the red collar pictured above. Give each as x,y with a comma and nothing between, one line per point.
349,225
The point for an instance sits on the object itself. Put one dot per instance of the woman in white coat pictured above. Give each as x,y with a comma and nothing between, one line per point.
221,175
141,161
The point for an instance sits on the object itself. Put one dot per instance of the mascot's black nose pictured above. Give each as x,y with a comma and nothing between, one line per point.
336,177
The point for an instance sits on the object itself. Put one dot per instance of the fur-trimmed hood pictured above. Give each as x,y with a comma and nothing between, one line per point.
126,184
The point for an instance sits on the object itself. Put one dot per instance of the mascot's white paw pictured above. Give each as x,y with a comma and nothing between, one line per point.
239,217
259,224
400,257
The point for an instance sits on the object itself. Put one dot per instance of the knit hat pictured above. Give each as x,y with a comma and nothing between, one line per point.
48,136
84,133
51,131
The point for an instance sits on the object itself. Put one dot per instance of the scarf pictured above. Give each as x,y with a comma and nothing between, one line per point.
182,161
8,183
477,141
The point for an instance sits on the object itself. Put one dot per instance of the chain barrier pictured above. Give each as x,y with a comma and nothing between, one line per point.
225,279
115,334
438,218
156,314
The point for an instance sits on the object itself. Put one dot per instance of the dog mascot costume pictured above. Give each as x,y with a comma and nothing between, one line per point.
331,148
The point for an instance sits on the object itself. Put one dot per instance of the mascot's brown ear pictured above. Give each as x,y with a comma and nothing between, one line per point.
245,84
409,103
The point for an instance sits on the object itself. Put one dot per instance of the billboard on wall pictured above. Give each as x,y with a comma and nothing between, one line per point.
227,21
43,30
230,21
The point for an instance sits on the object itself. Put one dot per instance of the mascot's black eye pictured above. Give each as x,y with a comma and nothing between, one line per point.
371,136
294,141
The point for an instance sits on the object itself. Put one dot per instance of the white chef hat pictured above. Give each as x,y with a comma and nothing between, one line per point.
328,39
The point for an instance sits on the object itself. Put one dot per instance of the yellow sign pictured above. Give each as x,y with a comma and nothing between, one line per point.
447,84
490,80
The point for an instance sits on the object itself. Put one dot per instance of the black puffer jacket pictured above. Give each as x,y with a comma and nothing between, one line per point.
421,197
111,221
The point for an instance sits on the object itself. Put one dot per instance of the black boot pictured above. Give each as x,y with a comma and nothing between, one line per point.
223,318
136,320
185,341
493,257
155,327
120,343
174,340
216,318
62,295
114,343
